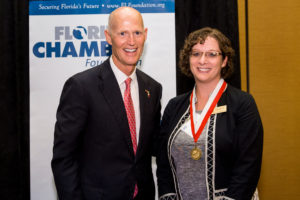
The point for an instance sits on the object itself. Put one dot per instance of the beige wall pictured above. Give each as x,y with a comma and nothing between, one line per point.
274,60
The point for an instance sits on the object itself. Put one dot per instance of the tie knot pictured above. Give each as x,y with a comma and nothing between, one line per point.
127,82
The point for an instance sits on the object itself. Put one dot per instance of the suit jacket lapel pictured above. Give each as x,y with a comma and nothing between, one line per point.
112,94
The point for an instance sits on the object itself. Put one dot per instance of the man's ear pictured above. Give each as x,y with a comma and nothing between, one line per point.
146,32
108,37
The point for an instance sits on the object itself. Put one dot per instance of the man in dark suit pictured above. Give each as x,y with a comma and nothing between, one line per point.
107,120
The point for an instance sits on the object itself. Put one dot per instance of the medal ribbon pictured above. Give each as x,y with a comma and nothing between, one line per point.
208,113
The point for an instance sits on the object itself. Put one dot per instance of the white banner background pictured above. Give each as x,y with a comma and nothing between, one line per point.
47,76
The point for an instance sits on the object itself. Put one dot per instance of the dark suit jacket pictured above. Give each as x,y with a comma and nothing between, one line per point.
93,155
238,144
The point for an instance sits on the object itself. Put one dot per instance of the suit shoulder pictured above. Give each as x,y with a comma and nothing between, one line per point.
237,94
90,74
147,78
181,98
176,107
240,100
87,73
179,101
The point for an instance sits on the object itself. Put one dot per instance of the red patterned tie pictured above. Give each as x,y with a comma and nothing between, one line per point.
131,120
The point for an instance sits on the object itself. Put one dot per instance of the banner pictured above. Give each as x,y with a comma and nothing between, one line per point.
67,37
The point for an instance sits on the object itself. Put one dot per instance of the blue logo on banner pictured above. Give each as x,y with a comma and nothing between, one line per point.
79,32
75,42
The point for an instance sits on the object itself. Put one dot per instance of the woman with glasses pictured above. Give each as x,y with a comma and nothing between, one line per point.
212,137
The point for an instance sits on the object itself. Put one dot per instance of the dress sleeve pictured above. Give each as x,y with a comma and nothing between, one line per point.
248,151
165,180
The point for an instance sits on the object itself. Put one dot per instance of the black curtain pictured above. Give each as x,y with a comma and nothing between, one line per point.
14,78
14,100
193,15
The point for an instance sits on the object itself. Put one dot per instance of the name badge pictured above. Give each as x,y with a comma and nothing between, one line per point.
220,109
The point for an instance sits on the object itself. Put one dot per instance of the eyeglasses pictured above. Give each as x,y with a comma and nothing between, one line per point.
208,54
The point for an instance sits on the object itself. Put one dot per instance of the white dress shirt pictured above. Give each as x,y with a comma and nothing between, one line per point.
134,89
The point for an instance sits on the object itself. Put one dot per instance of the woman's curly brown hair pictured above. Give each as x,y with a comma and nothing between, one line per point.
199,36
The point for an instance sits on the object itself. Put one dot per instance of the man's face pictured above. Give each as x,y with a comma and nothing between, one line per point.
127,36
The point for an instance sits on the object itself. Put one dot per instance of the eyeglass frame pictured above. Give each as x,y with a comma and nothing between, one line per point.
207,54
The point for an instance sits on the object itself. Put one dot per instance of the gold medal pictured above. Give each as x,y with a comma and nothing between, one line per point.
209,107
196,153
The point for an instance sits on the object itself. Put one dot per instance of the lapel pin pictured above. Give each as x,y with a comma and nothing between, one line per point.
148,93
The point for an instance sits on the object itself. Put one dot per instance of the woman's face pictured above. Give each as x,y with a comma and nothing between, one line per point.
206,61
